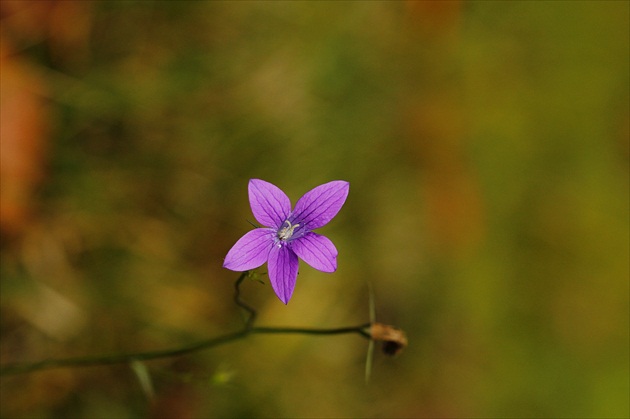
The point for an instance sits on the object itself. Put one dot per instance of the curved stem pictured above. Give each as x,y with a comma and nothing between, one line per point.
248,328
249,322
90,361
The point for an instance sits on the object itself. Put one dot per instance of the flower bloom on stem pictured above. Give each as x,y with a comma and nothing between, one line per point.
288,234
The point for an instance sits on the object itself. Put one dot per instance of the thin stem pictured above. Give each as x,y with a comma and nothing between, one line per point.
90,361
361,330
249,321
248,328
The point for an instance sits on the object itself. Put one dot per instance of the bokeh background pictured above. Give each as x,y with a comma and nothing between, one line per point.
486,144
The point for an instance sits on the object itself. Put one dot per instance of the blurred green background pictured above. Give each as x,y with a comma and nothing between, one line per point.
486,145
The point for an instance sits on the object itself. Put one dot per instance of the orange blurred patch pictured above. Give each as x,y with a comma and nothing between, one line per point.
24,130
454,210
63,25
435,18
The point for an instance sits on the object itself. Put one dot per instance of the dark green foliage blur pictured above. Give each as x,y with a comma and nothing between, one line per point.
486,146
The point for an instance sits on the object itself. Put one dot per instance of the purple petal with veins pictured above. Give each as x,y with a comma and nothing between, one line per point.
316,250
250,251
283,270
320,205
270,205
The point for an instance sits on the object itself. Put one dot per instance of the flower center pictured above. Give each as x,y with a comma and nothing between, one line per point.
285,233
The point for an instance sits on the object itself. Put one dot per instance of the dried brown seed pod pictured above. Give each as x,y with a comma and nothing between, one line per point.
394,340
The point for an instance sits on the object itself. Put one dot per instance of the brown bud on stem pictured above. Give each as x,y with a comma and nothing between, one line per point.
394,340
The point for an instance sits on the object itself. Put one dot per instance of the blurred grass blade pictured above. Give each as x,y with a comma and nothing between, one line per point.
370,352
368,361
144,377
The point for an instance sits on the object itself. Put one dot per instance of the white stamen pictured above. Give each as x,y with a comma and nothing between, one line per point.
285,233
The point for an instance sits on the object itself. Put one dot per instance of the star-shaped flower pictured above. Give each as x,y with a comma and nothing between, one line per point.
288,234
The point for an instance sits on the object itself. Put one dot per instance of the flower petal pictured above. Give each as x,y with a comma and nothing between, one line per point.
320,205
270,205
250,251
316,250
283,270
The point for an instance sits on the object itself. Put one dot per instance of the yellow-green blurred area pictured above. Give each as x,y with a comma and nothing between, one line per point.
486,146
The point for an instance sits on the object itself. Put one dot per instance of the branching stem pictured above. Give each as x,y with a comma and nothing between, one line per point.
248,328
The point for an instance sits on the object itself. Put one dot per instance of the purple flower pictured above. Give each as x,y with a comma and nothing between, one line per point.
288,234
